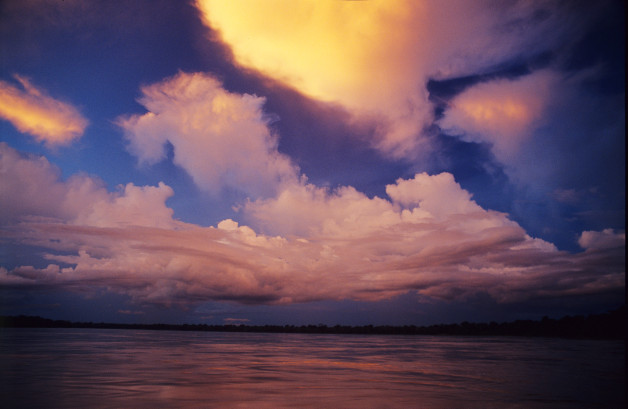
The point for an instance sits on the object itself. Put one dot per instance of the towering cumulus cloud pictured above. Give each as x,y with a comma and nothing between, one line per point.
375,57
32,111
221,139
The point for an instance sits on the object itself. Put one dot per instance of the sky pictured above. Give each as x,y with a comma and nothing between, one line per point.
311,162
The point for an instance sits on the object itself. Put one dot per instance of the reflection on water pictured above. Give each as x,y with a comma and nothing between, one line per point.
79,368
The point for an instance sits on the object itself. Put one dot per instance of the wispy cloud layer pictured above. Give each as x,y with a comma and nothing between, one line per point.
32,111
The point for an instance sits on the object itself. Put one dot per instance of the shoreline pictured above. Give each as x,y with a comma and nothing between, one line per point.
609,325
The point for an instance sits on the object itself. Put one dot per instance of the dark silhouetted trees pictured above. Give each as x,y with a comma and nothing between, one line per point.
611,325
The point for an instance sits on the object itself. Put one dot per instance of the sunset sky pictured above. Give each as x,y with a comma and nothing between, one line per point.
305,162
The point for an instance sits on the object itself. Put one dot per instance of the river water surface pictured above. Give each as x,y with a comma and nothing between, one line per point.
91,368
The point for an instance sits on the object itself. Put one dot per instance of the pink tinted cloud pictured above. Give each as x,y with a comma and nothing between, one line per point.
439,195
32,111
339,245
31,188
221,139
306,210
605,239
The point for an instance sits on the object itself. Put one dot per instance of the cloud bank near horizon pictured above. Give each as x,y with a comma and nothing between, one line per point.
427,237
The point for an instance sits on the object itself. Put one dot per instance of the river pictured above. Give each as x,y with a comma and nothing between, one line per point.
92,368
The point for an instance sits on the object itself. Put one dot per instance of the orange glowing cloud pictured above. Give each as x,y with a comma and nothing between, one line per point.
373,57
503,113
32,111
358,54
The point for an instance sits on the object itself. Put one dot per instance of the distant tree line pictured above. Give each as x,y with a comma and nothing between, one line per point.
611,325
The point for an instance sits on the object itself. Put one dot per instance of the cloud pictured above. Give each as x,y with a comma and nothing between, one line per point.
427,237
375,58
221,139
32,111
306,210
569,196
555,136
130,312
503,113
29,185
31,189
235,320
605,239
438,195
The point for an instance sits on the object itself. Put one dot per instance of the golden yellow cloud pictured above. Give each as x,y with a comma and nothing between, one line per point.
31,111
359,54
374,57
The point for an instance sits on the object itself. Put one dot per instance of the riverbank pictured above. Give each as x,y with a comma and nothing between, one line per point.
609,325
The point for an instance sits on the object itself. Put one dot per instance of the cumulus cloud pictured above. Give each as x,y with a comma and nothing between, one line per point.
605,239
29,185
221,139
327,245
31,189
32,111
375,57
438,195
307,210
503,113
